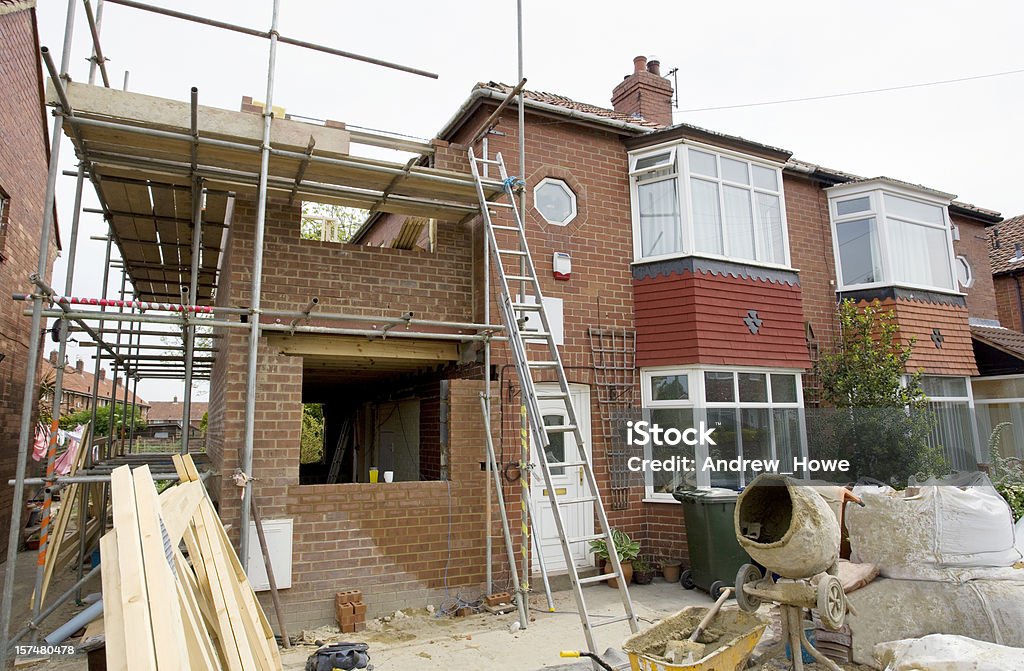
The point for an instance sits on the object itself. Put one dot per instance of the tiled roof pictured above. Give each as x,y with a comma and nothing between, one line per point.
570,104
1004,238
170,411
841,176
650,126
80,382
1005,339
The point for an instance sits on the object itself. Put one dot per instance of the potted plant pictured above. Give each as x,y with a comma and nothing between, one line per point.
626,549
643,572
670,569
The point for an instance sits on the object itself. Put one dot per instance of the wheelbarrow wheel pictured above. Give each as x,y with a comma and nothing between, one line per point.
831,602
748,574
686,579
716,589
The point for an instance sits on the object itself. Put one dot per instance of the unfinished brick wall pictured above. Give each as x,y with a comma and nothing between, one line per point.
23,170
389,541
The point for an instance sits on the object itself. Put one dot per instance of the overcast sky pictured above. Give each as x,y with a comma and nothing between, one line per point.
961,138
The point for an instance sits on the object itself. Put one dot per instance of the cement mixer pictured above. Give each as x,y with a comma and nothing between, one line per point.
789,529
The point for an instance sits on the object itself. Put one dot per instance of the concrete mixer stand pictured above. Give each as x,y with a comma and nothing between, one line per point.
793,596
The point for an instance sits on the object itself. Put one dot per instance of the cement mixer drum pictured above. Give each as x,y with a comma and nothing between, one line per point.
787,527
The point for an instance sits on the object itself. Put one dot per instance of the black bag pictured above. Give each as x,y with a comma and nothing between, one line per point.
345,656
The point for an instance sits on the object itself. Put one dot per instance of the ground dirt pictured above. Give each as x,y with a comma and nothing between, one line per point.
417,639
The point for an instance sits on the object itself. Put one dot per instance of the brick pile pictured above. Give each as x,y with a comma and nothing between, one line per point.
350,611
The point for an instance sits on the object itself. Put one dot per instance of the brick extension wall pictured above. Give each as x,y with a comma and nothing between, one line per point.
23,169
973,245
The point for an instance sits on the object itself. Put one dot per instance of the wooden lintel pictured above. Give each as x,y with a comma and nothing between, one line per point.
360,347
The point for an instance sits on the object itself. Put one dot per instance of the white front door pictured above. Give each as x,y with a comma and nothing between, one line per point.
567,482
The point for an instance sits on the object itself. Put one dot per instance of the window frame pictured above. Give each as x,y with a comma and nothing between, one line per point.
680,162
968,400
970,271
696,401
572,200
876,193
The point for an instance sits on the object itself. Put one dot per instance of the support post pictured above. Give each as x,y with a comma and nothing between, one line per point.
524,456
257,286
34,345
197,237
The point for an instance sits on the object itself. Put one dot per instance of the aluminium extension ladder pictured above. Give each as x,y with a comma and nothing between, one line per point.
514,313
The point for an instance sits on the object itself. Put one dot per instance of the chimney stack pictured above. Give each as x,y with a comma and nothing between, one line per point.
53,358
174,399
79,365
645,93
103,373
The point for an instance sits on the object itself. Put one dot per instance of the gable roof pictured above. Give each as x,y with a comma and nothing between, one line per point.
1004,238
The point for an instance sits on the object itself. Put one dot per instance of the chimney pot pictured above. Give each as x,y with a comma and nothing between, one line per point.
654,67
174,399
103,373
639,64
641,95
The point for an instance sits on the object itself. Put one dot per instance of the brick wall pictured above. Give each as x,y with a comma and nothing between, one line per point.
974,245
390,542
599,240
23,169
1008,301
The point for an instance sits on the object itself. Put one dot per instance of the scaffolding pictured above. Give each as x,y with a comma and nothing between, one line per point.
167,175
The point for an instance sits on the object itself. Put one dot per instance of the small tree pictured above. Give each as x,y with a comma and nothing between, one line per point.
881,422
311,450
68,422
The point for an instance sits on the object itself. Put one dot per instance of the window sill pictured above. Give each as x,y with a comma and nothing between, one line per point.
650,499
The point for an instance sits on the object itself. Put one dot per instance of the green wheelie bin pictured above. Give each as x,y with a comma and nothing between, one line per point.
715,555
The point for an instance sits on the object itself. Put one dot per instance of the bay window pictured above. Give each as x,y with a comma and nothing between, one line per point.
755,415
887,237
698,201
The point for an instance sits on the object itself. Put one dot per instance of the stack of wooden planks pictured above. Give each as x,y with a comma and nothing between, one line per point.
162,610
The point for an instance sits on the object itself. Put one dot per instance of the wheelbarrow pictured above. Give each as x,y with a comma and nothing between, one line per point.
729,653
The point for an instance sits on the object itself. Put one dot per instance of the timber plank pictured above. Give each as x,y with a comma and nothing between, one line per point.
113,615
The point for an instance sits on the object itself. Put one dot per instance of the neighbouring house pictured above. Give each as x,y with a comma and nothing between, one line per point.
77,386
24,159
691,272
165,419
999,344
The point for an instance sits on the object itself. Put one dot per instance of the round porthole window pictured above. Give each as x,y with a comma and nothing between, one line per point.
964,274
555,201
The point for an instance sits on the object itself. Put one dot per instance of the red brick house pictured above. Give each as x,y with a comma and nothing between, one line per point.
24,158
720,257
77,389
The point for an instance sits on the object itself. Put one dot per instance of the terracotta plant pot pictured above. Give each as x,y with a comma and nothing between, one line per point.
627,573
670,570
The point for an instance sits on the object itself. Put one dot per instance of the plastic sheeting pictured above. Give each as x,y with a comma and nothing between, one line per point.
942,652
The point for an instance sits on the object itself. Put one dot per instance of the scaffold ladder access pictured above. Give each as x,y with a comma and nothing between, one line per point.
533,351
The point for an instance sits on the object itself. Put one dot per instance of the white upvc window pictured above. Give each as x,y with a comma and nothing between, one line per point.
756,414
691,199
951,402
889,236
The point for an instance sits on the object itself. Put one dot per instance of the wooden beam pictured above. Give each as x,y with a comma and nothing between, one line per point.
357,347
176,115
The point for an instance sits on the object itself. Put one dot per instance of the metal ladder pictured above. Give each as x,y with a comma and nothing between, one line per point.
514,316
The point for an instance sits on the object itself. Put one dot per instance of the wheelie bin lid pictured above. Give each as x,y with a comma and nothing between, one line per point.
715,494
